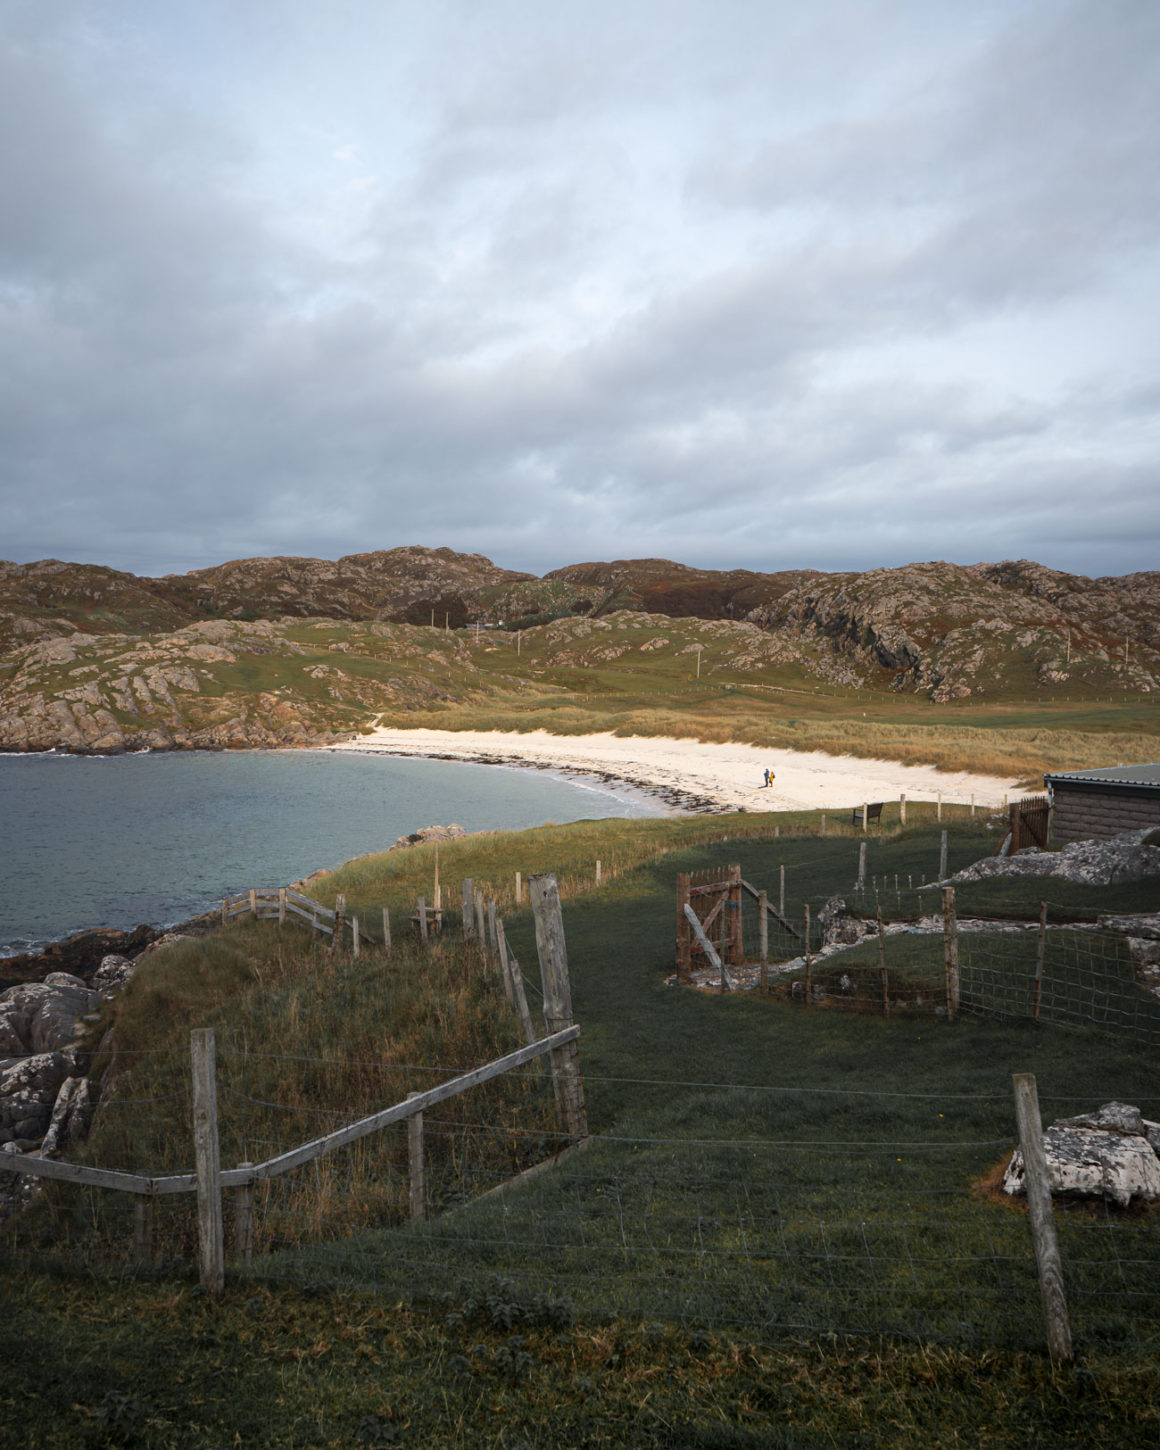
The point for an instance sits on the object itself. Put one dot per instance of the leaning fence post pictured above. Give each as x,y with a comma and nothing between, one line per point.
1040,949
1038,1186
951,951
504,964
416,1164
516,978
207,1161
468,890
244,1218
553,956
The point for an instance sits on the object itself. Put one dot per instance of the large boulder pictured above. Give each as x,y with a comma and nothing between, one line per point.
43,1016
28,1093
840,927
1133,856
1113,1153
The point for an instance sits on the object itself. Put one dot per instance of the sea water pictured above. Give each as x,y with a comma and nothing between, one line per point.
118,840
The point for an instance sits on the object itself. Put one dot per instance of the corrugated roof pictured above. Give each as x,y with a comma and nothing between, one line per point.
1147,776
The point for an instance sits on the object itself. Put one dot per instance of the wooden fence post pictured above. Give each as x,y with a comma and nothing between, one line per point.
1040,951
386,931
516,978
422,912
763,926
865,813
244,1218
860,884
942,858
339,924
143,1224
809,964
951,951
492,939
598,870
519,889
354,937
1038,1185
902,810
684,931
281,905
480,923
781,893
468,889
225,911
207,1162
938,808
253,901
504,965
416,1165
553,955
882,966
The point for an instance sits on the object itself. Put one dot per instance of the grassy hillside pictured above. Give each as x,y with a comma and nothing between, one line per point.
783,1234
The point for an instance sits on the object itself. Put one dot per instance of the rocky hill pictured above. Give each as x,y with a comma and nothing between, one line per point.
285,651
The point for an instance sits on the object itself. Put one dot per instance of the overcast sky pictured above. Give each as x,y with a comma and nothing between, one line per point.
738,282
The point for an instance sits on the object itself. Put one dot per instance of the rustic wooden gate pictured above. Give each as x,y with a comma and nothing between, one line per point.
1029,824
716,899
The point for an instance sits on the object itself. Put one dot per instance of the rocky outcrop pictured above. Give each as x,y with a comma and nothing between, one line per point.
38,1017
1133,856
426,834
1110,1154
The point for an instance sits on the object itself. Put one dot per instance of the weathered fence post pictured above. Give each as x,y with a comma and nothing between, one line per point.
244,1218
551,949
281,905
468,907
860,885
781,893
416,1164
809,963
480,923
354,937
1038,1185
763,926
207,1162
938,808
386,931
504,964
1040,950
902,810
519,889
942,858
253,901
865,813
516,978
339,924
684,932
492,938
598,870
882,966
951,951
142,1224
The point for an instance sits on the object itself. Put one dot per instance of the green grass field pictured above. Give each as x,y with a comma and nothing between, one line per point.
785,1233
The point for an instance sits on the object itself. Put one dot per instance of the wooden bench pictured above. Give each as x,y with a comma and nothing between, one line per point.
873,813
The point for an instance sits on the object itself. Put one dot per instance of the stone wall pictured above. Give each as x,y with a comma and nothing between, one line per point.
1085,812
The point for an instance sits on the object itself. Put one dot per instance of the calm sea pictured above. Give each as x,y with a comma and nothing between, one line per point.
118,840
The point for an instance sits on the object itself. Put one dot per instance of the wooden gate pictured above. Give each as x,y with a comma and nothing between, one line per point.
1029,824
716,899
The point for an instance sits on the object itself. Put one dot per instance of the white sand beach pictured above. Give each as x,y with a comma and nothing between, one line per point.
691,775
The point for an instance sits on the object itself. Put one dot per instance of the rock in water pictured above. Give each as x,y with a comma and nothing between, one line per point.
1111,1154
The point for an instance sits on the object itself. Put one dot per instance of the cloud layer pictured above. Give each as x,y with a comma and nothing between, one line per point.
743,284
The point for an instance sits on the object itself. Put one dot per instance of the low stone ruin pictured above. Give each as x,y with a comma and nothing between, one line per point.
1112,1154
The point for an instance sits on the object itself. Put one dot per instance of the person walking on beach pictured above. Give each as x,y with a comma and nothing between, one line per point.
767,778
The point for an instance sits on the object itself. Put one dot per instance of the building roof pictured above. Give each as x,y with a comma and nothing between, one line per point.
1144,777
